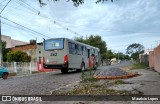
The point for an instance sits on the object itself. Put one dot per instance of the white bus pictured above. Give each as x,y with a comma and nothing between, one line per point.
67,54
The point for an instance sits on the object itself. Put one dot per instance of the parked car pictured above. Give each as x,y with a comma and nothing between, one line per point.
3,72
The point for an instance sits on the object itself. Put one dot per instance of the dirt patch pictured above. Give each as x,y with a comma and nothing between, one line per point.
99,87
126,68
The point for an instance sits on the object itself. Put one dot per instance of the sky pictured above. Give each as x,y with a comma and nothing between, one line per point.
120,23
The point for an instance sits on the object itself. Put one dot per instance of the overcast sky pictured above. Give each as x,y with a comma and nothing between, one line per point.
119,24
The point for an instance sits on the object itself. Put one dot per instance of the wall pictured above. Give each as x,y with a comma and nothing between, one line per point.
154,59
144,58
30,49
12,42
151,59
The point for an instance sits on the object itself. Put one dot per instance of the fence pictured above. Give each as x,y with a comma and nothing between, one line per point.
154,59
143,58
21,68
151,59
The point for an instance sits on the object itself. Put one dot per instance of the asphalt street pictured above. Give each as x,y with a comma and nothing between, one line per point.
43,83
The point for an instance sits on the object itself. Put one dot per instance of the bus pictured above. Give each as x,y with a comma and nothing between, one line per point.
66,54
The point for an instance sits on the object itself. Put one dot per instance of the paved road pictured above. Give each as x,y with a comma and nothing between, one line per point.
37,84
42,83
122,64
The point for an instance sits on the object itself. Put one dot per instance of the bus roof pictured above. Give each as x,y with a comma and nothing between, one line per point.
88,46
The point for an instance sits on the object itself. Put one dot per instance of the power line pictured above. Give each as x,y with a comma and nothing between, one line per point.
53,21
2,2
17,28
5,6
66,28
25,27
27,6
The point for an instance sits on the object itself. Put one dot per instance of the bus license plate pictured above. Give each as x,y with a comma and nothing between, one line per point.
54,62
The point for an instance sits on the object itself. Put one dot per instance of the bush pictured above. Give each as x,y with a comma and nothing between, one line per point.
18,56
139,66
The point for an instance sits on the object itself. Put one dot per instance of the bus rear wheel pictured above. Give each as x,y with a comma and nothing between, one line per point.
64,70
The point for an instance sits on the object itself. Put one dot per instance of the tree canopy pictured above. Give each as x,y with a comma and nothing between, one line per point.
76,2
95,41
4,50
135,49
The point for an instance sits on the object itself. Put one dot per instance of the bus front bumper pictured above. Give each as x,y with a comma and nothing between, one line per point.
56,66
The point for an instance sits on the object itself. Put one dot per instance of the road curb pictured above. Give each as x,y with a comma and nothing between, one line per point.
130,75
25,75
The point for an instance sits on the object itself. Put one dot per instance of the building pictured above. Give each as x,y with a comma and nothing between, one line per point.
32,49
12,42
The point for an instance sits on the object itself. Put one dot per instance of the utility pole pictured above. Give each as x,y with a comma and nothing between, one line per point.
1,54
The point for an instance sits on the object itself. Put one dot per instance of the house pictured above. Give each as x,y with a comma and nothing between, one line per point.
12,42
32,49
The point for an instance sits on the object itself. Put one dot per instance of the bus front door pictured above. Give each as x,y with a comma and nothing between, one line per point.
90,59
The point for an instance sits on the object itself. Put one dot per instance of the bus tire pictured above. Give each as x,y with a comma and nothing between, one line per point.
82,66
64,70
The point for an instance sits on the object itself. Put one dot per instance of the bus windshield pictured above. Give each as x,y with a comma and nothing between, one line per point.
52,44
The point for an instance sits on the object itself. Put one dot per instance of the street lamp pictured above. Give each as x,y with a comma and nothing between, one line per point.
1,54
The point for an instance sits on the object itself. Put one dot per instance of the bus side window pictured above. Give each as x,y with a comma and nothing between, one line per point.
88,51
85,51
79,50
76,49
72,48
82,50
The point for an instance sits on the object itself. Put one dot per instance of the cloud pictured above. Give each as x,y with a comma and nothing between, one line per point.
119,23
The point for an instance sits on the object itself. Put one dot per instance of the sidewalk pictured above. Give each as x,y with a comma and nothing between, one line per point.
149,81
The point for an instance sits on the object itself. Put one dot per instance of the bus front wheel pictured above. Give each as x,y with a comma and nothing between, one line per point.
82,67
64,70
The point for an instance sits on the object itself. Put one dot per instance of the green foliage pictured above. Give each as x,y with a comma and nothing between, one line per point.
4,50
109,54
18,56
135,49
120,82
121,56
135,56
75,2
88,76
139,66
95,41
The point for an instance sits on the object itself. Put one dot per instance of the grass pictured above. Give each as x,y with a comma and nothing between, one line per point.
139,66
119,82
88,76
93,89
91,79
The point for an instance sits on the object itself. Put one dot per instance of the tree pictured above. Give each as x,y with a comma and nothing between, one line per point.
135,49
76,2
4,50
18,56
95,41
109,54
